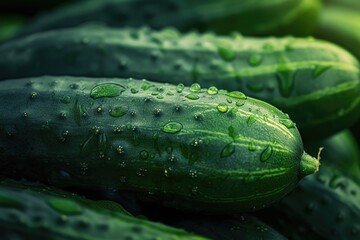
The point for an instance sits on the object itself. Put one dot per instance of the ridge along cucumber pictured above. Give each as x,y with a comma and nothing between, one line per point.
190,148
328,198
297,17
31,211
341,150
292,74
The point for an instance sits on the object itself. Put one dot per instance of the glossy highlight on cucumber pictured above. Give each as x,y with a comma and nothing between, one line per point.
185,147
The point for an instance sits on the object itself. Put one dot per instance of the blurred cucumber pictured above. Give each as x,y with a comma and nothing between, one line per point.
296,17
341,149
10,25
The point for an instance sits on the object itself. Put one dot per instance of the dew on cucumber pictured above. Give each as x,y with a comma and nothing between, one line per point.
172,127
192,96
212,90
237,95
180,87
106,90
287,123
157,112
250,120
319,70
240,102
285,79
195,87
228,150
66,99
118,111
266,154
9,202
255,60
251,146
169,149
222,107
226,52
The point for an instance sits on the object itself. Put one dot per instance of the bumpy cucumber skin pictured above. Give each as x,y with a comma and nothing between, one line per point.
325,206
186,148
248,16
341,149
39,212
315,82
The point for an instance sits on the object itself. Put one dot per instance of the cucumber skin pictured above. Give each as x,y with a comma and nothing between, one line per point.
206,166
341,150
330,193
296,74
247,16
28,213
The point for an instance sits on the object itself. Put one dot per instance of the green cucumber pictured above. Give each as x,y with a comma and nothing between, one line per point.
297,17
201,149
340,24
324,206
29,211
315,82
342,150
9,25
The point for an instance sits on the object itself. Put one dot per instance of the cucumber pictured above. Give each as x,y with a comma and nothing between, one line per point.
297,17
342,150
29,211
325,206
9,25
200,149
293,74
340,24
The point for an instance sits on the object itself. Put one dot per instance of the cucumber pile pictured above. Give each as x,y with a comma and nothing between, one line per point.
170,119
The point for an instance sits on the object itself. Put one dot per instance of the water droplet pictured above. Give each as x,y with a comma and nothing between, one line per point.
65,206
251,120
226,52
241,102
198,116
195,87
180,87
251,146
285,77
118,111
336,181
255,60
268,46
319,69
192,96
212,90
146,86
287,123
229,100
33,95
106,90
134,91
266,154
169,93
222,107
228,150
144,155
237,94
122,64
172,127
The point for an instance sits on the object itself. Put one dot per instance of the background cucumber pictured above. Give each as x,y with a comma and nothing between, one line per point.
298,17
341,150
31,211
325,206
190,148
315,82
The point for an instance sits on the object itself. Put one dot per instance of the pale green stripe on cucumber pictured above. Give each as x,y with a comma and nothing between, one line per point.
225,153
276,70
